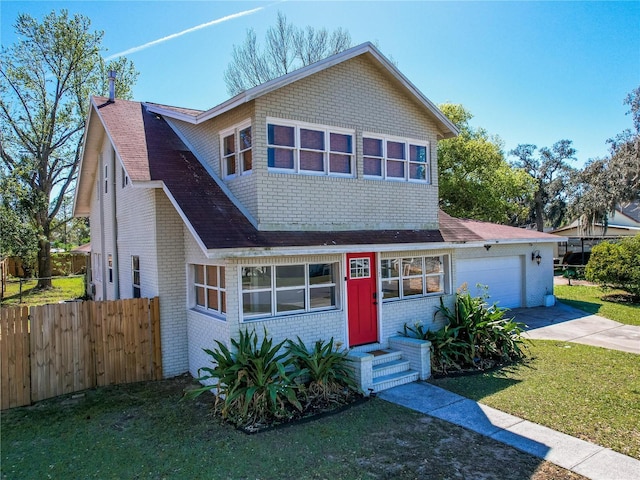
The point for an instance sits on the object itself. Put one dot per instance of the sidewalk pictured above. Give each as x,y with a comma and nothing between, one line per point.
587,459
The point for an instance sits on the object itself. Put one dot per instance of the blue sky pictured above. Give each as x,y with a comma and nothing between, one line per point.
530,72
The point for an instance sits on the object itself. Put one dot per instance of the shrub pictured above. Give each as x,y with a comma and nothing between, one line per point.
326,368
476,335
252,385
616,265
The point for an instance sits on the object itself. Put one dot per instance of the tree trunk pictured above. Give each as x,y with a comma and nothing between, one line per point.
44,257
539,207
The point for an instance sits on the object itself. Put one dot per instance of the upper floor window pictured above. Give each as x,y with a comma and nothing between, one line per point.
236,155
395,159
413,277
310,149
271,290
210,291
135,275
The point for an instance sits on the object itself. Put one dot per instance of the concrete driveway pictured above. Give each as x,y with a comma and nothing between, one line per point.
562,322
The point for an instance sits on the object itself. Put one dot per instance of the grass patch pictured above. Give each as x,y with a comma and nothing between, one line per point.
591,300
587,392
145,431
63,288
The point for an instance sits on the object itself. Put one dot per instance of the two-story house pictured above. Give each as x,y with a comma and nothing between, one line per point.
307,205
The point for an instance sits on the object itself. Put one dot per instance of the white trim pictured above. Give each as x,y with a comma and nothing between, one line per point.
449,130
327,130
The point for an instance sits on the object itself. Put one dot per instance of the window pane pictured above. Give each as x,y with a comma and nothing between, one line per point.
372,147
135,262
339,163
199,271
221,277
322,297
280,158
229,145
223,302
289,300
434,284
290,276
247,161
256,277
136,278
390,289
200,296
212,276
245,138
417,171
390,268
340,143
321,273
256,302
395,169
359,268
412,266
313,161
433,265
418,153
230,164
395,150
412,286
373,166
280,135
212,299
312,139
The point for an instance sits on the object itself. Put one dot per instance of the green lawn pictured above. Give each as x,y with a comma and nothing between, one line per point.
145,431
588,392
64,288
590,299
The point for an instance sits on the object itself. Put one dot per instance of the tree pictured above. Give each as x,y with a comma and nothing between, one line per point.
616,265
475,180
287,48
46,78
606,182
551,173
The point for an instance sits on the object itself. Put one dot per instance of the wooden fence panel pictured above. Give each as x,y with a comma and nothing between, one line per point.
56,349
15,382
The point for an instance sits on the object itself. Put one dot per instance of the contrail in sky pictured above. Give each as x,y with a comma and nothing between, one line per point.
184,32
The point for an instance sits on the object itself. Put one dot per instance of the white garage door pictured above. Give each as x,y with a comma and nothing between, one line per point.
503,275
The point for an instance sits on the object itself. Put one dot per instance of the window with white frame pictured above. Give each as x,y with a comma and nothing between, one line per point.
395,158
236,150
110,265
272,290
209,288
135,275
309,148
413,277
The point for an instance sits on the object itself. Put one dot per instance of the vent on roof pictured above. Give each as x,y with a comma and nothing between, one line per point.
112,85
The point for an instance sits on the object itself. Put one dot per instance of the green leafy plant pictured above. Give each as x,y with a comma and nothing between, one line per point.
326,367
476,335
616,265
252,385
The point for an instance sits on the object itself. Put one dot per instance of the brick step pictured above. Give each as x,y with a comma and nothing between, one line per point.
387,368
387,357
393,380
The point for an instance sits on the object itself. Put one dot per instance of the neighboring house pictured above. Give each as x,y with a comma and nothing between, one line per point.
624,221
307,206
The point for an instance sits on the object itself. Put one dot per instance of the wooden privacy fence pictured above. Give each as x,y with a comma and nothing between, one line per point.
62,348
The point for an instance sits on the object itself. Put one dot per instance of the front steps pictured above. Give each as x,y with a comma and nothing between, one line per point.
391,370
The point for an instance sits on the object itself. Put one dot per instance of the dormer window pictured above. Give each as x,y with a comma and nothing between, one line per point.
295,147
392,158
236,154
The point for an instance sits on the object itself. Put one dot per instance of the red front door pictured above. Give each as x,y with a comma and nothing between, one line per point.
362,298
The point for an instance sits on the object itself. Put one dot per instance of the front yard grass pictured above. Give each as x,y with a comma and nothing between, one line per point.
591,300
144,431
587,392
64,288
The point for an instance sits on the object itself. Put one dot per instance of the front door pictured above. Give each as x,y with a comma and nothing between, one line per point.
362,298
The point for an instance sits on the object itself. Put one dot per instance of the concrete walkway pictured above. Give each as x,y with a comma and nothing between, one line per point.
587,459
569,324
560,322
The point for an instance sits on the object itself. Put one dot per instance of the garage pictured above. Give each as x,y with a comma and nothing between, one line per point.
503,276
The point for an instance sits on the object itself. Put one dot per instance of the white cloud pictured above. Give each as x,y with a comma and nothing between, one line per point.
184,32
